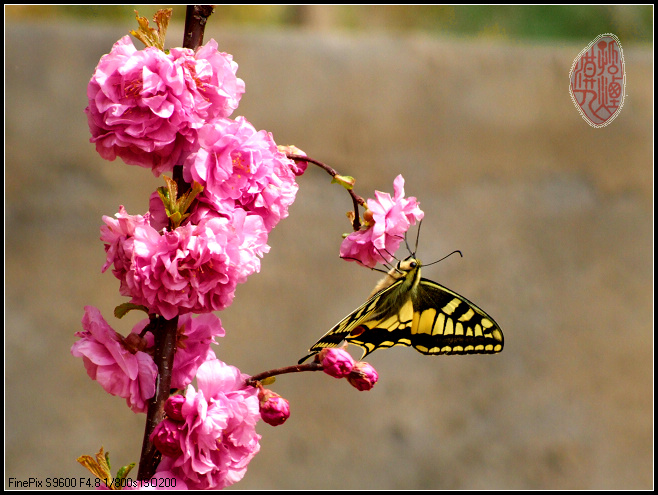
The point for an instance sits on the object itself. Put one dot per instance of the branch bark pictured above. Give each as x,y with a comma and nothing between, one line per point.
165,349
195,25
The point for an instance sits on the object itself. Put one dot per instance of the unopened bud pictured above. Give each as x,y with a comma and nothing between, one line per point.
274,409
174,407
336,362
298,167
166,438
363,376
344,180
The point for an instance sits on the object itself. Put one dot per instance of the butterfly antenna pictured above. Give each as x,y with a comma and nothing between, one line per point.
384,262
406,243
361,263
420,222
446,256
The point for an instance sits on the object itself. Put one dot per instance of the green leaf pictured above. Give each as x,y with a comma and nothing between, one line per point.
99,466
123,472
344,180
186,201
268,381
121,310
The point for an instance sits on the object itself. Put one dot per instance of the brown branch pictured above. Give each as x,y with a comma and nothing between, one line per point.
165,349
356,199
196,17
314,366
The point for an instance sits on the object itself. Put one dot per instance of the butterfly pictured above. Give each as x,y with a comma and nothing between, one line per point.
406,309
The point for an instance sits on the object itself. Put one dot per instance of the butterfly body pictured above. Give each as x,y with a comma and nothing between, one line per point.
408,310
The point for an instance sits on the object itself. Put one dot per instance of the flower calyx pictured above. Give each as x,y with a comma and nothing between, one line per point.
176,207
152,36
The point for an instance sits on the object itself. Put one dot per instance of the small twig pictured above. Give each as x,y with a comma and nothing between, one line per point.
314,366
356,199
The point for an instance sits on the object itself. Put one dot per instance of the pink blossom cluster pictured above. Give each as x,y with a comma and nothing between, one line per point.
146,106
158,110
193,345
209,436
193,268
124,366
387,220
161,110
241,168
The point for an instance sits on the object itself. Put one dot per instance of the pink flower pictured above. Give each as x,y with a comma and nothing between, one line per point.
194,268
210,78
118,236
363,376
388,219
274,409
146,106
218,437
194,336
240,167
193,346
336,362
166,438
119,371
174,407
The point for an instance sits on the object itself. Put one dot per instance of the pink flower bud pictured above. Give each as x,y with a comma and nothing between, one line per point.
166,438
297,167
174,406
363,376
134,343
274,409
336,362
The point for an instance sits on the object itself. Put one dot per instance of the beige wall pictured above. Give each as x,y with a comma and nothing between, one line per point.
554,219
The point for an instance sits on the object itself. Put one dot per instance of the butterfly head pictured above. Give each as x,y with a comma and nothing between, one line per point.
409,264
407,269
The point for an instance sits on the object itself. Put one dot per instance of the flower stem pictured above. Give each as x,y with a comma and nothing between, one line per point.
356,200
314,366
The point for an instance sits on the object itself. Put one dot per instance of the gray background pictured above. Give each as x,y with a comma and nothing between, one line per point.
554,219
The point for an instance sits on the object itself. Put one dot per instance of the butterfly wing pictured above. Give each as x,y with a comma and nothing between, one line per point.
447,323
378,308
428,317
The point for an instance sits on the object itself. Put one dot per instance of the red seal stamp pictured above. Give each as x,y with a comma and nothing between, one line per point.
597,81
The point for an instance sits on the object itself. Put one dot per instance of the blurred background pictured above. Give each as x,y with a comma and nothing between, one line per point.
471,105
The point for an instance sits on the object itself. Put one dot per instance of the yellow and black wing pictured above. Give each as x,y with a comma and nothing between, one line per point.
429,317
445,322
375,309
